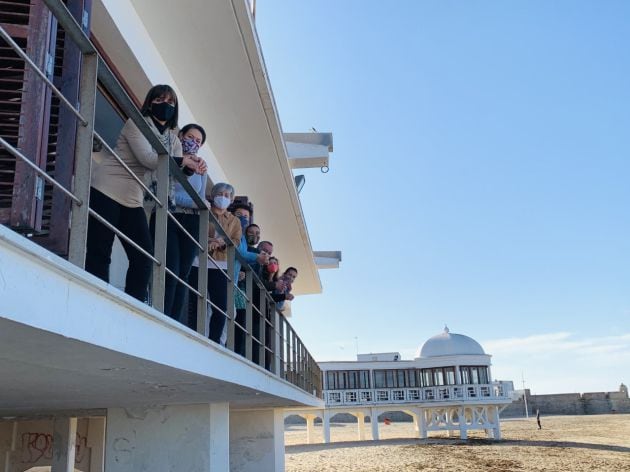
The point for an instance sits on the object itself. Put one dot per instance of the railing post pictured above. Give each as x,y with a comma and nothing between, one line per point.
203,327
161,224
249,292
276,347
83,160
263,306
231,313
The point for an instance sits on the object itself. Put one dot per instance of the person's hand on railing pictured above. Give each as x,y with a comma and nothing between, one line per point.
289,296
241,276
202,167
216,243
280,285
189,161
262,258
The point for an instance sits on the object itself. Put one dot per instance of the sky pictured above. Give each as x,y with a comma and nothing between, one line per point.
479,179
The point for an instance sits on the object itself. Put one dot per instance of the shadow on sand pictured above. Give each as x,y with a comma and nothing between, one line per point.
454,442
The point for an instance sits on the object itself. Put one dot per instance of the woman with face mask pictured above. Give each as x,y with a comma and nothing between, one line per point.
119,198
180,249
221,196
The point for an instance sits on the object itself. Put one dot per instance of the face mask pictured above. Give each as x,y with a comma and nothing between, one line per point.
190,146
244,221
221,202
252,240
271,268
162,111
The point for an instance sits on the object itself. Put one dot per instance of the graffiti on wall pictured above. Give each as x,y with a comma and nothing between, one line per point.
39,446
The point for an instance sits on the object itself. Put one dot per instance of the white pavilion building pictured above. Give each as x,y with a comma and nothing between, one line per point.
448,386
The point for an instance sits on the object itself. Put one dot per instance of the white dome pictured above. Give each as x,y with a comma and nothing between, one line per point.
449,344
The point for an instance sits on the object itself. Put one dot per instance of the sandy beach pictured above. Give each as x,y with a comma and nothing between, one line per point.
566,443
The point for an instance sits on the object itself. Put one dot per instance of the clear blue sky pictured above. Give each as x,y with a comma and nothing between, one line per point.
480,177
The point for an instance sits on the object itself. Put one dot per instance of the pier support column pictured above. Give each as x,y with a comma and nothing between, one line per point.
463,432
326,426
179,437
422,424
497,424
361,426
256,440
310,428
374,423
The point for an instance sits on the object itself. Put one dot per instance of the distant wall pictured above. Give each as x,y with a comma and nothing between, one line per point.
591,403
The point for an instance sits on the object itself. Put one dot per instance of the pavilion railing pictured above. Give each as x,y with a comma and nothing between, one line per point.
274,345
441,393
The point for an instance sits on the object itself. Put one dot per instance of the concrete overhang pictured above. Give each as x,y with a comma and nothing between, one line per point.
308,150
213,55
70,341
327,259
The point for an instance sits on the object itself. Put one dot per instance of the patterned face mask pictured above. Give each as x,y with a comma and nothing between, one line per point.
189,146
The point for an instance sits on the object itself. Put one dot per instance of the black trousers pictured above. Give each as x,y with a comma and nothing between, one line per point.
217,293
132,222
180,253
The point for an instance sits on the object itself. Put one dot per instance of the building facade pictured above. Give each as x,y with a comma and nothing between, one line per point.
448,386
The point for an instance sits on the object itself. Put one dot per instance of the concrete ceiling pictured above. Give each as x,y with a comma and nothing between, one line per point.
43,371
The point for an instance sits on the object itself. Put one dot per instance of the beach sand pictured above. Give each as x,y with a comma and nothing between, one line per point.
566,443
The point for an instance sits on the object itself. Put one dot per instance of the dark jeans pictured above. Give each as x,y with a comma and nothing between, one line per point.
180,253
217,293
132,222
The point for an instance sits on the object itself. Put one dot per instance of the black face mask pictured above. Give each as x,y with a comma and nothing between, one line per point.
162,111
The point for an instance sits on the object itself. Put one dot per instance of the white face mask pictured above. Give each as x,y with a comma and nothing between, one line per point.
221,202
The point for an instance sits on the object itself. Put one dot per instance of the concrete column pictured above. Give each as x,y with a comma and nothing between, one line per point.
256,441
422,426
361,426
374,423
179,437
326,426
96,444
463,432
64,444
310,429
497,424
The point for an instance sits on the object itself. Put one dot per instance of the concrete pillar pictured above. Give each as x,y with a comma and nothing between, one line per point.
361,426
422,426
310,429
374,423
64,444
256,440
179,437
497,424
96,444
463,432
326,426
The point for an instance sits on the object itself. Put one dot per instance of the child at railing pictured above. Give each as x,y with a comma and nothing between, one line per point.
284,293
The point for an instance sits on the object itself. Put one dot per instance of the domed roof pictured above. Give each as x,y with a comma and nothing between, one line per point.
449,344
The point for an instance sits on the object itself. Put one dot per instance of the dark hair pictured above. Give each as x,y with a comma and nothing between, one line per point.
252,225
265,242
266,273
156,92
240,206
190,126
291,268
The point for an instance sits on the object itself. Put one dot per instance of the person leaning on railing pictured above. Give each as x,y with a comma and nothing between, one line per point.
221,196
118,197
180,248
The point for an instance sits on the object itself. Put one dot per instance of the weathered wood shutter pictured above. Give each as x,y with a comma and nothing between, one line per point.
37,207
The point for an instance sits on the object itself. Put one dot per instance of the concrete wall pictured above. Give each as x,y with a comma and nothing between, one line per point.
591,403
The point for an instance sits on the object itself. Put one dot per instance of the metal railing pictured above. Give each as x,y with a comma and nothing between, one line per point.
276,346
442,393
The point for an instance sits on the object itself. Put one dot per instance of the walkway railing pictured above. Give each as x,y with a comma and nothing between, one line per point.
274,345
443,393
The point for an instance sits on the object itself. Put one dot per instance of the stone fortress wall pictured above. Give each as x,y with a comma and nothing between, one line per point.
592,403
